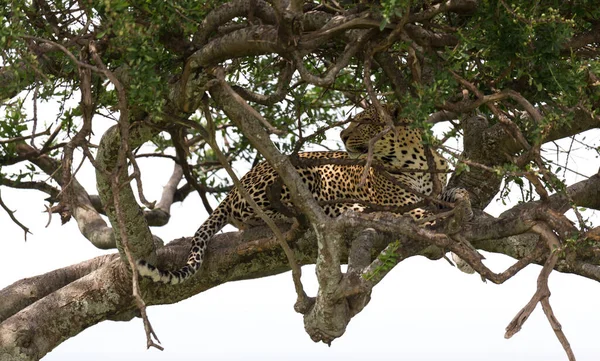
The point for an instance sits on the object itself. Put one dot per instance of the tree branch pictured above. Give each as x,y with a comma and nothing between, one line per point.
230,10
90,223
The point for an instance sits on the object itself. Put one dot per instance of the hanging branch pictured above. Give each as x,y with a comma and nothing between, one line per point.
542,294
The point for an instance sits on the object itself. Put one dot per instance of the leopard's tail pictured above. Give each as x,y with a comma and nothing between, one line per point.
217,220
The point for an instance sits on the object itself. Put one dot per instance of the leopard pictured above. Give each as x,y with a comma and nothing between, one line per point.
339,187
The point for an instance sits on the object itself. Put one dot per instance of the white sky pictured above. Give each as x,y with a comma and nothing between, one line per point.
423,310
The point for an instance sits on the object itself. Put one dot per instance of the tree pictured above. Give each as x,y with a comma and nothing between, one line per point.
208,84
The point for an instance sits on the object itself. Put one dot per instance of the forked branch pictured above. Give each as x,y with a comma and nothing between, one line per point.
542,293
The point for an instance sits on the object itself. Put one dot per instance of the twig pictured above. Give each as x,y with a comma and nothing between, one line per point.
87,109
64,50
137,175
374,207
361,21
432,164
367,166
31,136
557,327
303,139
41,186
382,114
11,215
46,147
437,216
511,127
371,91
122,99
36,93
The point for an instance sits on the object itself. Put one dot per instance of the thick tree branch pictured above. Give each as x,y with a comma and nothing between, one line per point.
29,290
231,256
428,38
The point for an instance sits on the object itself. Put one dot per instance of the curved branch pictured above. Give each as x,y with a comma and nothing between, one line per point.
329,78
253,40
285,76
230,10
107,158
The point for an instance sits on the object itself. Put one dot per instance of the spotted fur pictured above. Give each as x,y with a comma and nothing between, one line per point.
398,149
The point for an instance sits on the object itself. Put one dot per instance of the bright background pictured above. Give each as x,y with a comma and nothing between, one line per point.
424,310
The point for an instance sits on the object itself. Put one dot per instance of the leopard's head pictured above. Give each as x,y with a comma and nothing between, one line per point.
369,124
